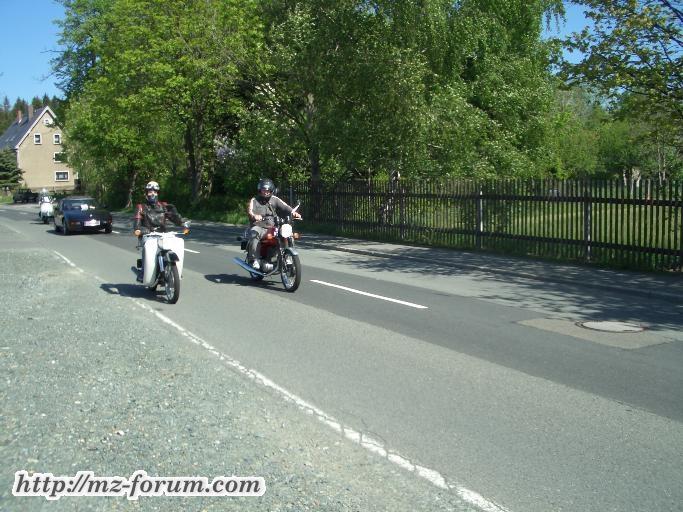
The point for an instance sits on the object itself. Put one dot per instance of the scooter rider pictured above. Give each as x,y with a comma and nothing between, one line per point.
152,216
261,210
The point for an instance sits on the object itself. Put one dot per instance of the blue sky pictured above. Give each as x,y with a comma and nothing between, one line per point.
25,60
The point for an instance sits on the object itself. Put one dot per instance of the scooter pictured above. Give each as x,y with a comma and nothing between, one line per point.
163,254
46,212
277,254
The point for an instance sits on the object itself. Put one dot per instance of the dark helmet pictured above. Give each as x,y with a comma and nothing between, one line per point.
266,184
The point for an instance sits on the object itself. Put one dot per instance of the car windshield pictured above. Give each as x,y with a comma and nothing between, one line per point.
80,204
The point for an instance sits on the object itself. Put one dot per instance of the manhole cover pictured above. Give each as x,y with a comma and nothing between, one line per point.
612,326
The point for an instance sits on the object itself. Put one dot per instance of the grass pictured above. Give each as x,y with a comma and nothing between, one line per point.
5,199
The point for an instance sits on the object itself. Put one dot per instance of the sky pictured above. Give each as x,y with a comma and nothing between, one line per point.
25,59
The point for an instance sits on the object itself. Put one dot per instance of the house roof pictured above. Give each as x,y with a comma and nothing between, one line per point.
18,130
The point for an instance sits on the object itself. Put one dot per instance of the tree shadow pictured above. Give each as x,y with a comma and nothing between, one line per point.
575,293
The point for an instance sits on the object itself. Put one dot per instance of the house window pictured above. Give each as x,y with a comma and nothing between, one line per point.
37,139
62,176
58,157
57,138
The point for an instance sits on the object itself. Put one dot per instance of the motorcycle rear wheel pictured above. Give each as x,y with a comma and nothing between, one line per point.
171,284
290,273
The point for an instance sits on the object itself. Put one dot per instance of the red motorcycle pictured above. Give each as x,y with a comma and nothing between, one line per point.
277,254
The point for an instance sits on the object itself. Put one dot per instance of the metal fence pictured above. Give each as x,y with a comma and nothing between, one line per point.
616,223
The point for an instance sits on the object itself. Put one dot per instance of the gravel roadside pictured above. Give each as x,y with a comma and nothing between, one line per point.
91,381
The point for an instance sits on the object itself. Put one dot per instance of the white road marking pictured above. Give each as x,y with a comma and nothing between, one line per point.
381,297
12,229
369,443
190,250
116,232
22,213
69,262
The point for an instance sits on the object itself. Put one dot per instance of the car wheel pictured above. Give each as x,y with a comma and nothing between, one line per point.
108,229
65,227
54,221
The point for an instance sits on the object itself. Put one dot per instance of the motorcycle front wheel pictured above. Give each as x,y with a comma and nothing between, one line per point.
290,272
171,284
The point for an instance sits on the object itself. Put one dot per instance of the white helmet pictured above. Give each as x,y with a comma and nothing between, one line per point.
152,185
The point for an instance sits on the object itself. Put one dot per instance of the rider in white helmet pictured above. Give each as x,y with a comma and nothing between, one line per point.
153,216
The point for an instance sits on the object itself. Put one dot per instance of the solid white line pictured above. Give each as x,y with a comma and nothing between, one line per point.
116,232
12,229
69,262
190,250
381,297
369,443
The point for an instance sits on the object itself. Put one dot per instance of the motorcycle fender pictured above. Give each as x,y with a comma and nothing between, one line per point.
291,251
173,256
150,264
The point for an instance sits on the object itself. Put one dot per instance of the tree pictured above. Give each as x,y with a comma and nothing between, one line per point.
159,76
634,48
10,174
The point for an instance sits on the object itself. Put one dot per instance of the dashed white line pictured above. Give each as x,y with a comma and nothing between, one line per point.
190,250
374,296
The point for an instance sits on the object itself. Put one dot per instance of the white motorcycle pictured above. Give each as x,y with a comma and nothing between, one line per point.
46,212
163,254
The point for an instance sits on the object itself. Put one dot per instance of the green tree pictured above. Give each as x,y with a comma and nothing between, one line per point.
634,48
10,174
159,76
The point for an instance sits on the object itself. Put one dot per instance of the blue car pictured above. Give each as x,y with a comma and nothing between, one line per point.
80,214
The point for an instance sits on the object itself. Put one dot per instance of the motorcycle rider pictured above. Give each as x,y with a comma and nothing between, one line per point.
152,216
261,209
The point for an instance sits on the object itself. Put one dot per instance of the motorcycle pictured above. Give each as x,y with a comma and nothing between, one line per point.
277,254
46,212
163,254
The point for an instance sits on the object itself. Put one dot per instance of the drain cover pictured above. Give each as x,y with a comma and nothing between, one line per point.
619,327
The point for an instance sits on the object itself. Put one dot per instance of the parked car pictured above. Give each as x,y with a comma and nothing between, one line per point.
74,214
24,195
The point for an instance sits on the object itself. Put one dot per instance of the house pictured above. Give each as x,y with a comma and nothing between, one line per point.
37,142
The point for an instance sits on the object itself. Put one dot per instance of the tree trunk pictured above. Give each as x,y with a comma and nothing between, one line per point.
313,158
193,170
131,187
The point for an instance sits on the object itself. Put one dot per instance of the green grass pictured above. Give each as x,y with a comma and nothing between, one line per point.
5,199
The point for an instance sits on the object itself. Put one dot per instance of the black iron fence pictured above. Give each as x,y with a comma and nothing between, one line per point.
616,223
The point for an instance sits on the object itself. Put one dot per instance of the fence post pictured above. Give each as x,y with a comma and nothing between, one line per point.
480,219
587,220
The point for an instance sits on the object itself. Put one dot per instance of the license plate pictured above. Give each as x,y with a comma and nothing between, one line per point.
91,223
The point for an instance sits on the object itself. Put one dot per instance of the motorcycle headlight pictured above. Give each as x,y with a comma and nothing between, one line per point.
286,230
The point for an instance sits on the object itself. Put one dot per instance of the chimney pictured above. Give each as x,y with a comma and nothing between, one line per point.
30,112
19,116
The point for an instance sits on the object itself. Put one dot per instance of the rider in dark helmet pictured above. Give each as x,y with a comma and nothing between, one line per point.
262,210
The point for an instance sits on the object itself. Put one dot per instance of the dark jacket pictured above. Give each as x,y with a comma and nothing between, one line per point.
150,218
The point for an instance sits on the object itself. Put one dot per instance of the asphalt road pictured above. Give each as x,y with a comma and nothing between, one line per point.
489,385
